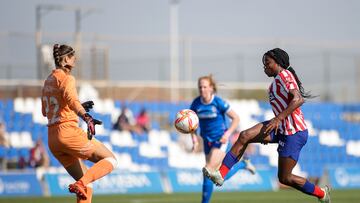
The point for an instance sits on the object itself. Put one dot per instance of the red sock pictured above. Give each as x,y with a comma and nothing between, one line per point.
318,192
223,170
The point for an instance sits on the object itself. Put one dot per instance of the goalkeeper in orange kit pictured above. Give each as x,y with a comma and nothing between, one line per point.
67,142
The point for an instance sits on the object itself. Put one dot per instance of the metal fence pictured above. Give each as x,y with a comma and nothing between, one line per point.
328,69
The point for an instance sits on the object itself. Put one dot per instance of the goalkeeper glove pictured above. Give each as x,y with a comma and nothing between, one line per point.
88,105
91,122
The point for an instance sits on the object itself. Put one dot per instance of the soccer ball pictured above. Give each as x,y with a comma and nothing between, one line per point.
186,121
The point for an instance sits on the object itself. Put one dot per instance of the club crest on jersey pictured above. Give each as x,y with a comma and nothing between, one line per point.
288,79
271,96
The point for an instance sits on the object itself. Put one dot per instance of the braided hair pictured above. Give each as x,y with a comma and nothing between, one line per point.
60,51
282,58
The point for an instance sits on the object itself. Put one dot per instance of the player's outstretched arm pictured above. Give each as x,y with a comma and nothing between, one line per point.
234,124
195,142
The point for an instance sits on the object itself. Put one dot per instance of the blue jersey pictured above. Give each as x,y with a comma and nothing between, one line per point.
212,117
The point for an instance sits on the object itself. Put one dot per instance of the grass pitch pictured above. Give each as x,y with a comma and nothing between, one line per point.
282,196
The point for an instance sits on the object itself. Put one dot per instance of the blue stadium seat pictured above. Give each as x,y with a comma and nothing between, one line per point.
264,105
103,138
54,162
164,149
89,163
314,157
174,136
2,105
151,107
106,119
9,105
12,154
135,107
26,122
155,125
36,131
24,152
143,137
3,151
118,104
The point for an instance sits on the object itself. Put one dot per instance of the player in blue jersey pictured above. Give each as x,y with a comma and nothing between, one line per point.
212,112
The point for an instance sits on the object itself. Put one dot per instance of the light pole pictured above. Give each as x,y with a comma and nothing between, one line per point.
174,50
188,65
43,9
326,82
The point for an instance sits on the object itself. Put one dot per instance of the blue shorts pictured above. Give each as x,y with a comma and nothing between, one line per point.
289,145
214,144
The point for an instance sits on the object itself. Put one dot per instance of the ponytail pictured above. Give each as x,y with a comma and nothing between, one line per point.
304,94
56,55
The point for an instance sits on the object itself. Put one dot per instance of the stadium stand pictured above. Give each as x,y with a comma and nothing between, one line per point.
334,134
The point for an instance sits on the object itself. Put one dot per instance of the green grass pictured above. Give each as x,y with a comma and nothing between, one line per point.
283,196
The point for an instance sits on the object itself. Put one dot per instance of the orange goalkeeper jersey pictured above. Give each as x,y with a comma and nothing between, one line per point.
59,100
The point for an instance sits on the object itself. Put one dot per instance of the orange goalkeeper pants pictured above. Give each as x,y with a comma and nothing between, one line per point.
68,143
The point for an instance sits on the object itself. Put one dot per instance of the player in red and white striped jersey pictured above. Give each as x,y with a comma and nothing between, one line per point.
287,128
279,92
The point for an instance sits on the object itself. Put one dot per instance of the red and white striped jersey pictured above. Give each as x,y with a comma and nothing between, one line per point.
279,100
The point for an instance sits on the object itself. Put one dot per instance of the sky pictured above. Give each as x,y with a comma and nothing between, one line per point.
228,37
321,19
